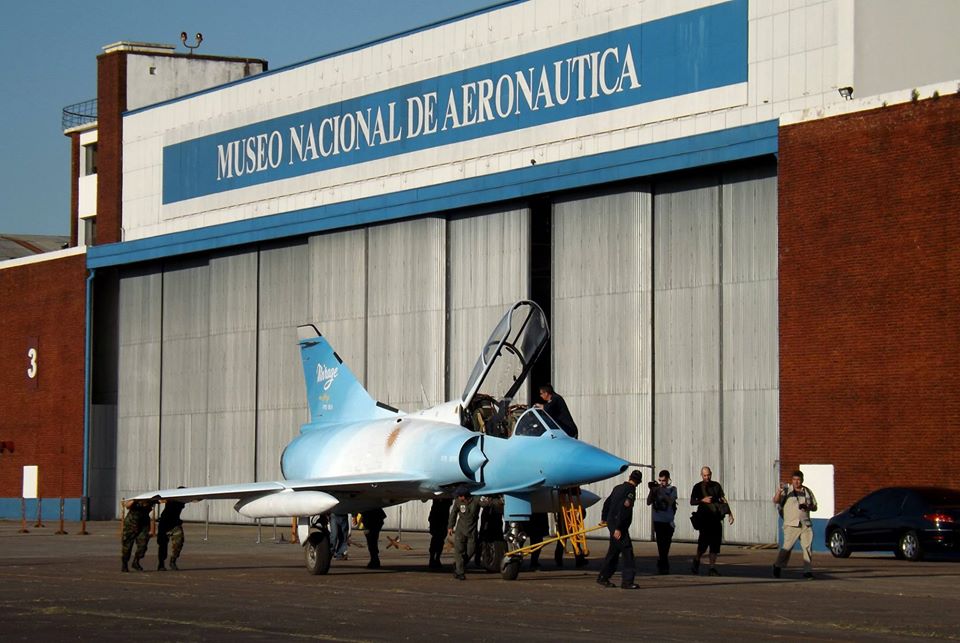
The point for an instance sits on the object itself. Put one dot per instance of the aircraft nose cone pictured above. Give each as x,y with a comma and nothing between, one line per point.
584,463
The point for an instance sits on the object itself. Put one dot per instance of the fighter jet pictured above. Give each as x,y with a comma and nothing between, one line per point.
356,453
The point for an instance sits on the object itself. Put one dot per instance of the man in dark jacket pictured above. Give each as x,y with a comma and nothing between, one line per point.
439,515
556,407
618,514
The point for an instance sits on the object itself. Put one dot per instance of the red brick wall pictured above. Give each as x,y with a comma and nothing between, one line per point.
869,224
74,188
43,300
111,103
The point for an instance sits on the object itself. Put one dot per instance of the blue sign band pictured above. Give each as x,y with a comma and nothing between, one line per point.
681,54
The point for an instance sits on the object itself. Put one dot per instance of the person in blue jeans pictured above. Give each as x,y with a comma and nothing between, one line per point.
340,530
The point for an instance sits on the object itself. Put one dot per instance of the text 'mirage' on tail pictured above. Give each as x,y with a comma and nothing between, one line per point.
334,394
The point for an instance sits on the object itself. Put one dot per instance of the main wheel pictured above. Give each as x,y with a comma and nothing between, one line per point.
491,554
838,544
510,569
910,547
317,553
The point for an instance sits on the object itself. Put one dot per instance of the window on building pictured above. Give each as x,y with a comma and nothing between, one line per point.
89,159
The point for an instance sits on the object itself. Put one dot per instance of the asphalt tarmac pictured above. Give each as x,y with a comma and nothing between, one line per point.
231,588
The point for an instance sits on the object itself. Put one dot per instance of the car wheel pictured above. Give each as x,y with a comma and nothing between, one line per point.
910,546
838,544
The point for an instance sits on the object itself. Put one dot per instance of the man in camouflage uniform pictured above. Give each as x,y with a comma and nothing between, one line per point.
170,529
136,528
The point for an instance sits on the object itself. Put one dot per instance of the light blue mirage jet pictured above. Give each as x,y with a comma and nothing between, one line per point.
357,454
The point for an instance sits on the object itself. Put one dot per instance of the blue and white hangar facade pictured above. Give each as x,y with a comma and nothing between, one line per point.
614,161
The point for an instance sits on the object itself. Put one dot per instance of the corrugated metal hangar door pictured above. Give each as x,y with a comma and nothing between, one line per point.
665,334
211,387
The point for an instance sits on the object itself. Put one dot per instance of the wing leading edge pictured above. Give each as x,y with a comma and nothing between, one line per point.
284,498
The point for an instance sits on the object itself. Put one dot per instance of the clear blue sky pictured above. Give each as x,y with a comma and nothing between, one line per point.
49,49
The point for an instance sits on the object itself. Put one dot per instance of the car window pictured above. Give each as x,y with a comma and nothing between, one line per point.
914,504
933,496
885,502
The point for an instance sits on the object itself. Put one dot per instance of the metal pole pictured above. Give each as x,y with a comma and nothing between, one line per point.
259,539
23,516
39,515
206,522
61,531
84,510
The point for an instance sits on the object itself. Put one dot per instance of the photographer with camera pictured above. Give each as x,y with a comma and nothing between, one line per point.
663,498
795,502
711,503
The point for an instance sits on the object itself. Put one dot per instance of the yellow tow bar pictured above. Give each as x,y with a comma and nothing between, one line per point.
529,549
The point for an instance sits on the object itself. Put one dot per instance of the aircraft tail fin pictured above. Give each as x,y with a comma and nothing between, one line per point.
334,394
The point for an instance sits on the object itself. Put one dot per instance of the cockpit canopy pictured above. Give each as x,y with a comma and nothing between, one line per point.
535,423
509,354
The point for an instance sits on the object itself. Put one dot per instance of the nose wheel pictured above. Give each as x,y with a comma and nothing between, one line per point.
510,567
510,564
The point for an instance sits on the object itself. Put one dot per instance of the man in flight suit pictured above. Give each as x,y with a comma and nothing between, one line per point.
462,525
618,514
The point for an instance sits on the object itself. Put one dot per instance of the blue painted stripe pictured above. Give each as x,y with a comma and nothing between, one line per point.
673,56
747,141
50,508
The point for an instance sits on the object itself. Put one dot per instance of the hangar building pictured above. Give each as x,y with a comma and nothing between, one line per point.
738,216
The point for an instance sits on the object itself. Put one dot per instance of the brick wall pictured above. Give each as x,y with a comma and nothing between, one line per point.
43,417
869,225
111,103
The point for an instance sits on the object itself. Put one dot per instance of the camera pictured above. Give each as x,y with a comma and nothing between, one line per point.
653,485
803,506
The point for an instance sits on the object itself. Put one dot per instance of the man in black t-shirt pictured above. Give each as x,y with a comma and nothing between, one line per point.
711,503
170,530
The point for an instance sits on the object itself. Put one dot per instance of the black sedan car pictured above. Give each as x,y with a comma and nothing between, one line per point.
907,520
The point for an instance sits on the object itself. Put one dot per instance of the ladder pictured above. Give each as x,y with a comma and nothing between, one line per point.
571,509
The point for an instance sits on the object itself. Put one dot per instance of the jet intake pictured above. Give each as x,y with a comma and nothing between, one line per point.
472,459
287,503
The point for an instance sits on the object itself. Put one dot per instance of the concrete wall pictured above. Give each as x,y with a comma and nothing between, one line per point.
902,45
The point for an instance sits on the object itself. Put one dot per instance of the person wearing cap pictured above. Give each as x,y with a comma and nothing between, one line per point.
462,525
617,512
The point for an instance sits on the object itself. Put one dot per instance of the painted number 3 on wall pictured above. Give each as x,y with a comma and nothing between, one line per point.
32,356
